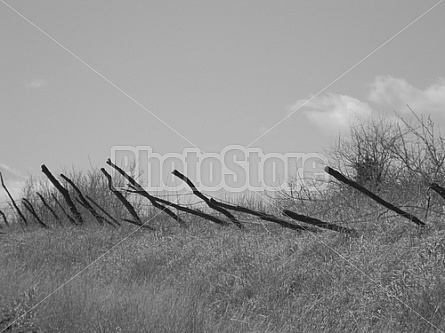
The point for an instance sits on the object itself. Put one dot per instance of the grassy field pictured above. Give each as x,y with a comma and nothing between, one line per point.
390,277
208,278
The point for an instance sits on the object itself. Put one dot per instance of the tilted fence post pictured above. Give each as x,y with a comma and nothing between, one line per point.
264,216
139,189
209,203
99,218
4,218
64,193
31,209
337,175
122,199
49,207
319,223
68,216
12,201
157,201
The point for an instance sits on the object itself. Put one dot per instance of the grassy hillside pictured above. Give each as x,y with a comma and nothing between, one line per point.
93,276
212,279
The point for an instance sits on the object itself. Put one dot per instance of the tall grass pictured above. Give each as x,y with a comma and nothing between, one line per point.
212,279
208,278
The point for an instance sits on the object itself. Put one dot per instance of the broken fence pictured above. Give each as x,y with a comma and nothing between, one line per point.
309,223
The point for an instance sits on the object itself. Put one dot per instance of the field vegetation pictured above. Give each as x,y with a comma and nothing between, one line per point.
203,277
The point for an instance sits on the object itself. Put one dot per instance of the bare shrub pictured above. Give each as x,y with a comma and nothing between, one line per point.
396,158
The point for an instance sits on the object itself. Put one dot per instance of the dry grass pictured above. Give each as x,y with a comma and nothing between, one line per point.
207,278
212,279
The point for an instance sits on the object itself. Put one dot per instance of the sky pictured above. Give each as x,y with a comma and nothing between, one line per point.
78,78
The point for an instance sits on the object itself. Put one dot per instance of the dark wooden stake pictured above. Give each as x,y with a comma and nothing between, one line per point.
122,198
4,218
63,210
438,189
13,202
31,209
84,202
318,223
49,208
209,203
139,189
337,175
103,210
64,193
264,216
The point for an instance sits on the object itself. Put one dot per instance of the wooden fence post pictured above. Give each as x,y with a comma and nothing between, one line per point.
13,202
337,175
64,193
209,203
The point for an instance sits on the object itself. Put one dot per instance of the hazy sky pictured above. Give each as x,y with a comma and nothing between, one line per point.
206,74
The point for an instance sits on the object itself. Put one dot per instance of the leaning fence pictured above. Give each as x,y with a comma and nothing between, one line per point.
69,198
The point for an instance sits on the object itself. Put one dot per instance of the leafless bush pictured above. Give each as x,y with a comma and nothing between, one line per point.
397,158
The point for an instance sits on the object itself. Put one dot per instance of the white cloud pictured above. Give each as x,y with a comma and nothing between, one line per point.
397,93
36,83
15,172
333,111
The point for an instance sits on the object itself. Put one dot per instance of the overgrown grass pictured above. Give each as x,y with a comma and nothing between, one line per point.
212,279
208,278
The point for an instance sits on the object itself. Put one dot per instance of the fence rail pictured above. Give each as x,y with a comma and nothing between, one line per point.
311,224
